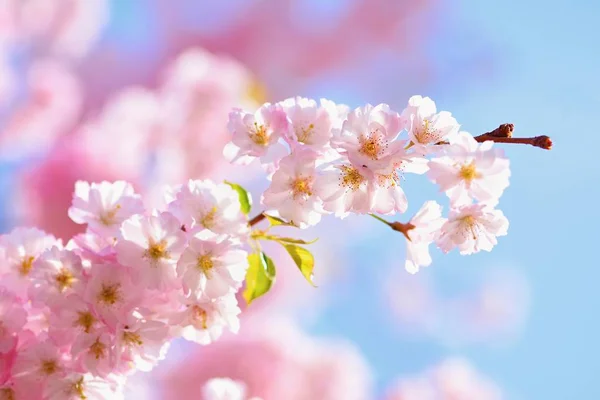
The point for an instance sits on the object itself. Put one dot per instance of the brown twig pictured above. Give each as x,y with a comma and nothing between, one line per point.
503,134
256,219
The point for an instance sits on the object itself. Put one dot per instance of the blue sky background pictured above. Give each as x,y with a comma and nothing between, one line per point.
545,57
545,82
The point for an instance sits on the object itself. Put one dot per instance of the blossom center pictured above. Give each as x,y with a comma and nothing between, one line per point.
7,394
426,135
304,133
132,339
49,367
389,180
259,135
208,219
302,187
110,294
109,217
64,279
78,389
157,251
200,315
351,178
205,264
469,224
372,145
85,319
98,349
468,172
26,265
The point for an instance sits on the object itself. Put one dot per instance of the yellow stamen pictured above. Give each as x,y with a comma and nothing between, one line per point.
208,219
205,264
389,180
200,314
304,133
26,265
49,367
132,339
372,146
110,294
301,187
109,218
157,251
351,178
98,349
470,224
259,135
469,172
86,320
64,279
78,389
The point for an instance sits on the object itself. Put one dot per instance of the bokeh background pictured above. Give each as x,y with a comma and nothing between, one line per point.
140,90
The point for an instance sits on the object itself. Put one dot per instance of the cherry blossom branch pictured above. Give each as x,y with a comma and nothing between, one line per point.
503,134
256,219
397,226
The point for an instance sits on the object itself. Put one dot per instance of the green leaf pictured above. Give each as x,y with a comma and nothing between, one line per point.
283,240
303,259
276,221
292,240
243,195
259,277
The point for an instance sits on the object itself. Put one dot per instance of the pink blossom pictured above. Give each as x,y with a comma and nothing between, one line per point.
208,205
151,246
39,362
95,352
75,318
111,292
425,125
57,273
426,225
471,171
12,319
345,188
204,320
104,206
368,137
223,389
310,123
472,228
77,386
212,266
256,135
93,248
291,193
22,246
144,343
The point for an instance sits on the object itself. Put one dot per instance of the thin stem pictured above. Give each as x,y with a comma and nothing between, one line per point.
397,226
380,219
256,219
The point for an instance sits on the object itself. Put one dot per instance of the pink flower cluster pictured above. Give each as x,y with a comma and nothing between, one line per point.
324,158
76,319
149,137
452,379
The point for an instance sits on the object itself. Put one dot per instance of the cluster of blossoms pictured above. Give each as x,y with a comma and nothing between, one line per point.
77,318
324,158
